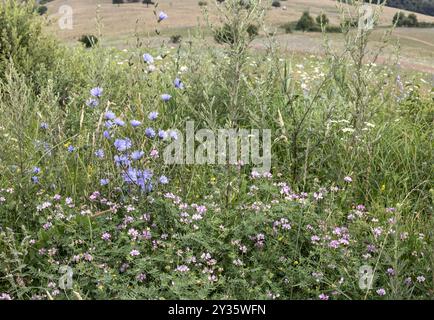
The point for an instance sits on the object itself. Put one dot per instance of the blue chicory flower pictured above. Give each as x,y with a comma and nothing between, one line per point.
178,83
148,58
91,102
135,123
99,153
119,122
110,115
137,155
173,134
122,160
150,133
162,16
122,144
162,134
96,92
142,178
153,115
166,97
163,180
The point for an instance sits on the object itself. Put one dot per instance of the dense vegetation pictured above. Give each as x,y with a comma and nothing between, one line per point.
420,6
410,20
89,209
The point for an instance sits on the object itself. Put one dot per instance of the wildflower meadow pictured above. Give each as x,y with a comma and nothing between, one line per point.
219,167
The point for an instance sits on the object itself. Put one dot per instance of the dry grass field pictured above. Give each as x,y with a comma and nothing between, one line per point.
119,24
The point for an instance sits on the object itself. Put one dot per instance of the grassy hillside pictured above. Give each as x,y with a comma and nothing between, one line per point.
121,20
119,25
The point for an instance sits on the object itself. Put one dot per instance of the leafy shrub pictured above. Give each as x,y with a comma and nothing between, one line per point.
224,35
424,24
306,22
127,1
322,19
42,10
399,18
245,4
22,41
252,30
288,27
202,3
333,29
88,40
176,38
411,20
348,23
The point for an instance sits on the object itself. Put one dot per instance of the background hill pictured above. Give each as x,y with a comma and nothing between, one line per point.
120,24
123,19
421,6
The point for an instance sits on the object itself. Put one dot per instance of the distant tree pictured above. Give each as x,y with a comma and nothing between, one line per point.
42,10
411,20
225,34
288,27
306,22
88,40
348,24
176,38
252,30
322,19
399,19
148,2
